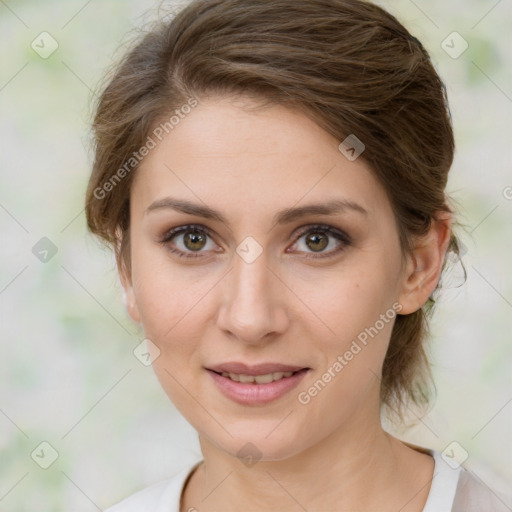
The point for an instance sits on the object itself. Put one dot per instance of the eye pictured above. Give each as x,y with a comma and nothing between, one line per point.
193,240
188,241
322,239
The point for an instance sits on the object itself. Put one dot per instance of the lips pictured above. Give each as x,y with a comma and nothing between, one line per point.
258,384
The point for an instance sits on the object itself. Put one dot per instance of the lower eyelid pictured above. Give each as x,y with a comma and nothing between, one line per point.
184,254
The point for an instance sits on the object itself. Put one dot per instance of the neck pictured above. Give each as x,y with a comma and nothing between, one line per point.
358,467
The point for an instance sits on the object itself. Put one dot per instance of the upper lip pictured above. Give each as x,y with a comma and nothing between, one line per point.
258,369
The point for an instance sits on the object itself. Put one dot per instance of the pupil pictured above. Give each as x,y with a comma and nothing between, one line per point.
194,240
317,238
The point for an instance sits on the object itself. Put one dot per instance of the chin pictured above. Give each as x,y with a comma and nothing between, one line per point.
254,444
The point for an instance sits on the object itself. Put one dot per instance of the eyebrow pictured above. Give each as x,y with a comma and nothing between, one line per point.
331,207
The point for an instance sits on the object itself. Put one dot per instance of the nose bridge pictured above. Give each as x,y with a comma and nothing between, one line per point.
252,307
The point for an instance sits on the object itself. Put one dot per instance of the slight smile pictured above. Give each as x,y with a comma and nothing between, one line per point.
256,385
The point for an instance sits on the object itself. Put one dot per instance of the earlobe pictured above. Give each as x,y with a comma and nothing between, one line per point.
131,304
424,266
128,291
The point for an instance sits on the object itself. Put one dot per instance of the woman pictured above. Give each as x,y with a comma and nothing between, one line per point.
271,176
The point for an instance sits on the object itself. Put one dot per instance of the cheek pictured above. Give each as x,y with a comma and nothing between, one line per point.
172,317
349,300
356,306
351,368
165,295
169,310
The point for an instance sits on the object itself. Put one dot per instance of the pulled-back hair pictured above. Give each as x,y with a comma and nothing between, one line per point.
347,64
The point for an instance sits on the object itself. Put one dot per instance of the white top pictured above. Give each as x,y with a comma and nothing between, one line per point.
452,490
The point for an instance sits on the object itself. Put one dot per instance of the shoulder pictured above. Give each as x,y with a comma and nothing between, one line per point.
164,495
143,500
458,489
473,494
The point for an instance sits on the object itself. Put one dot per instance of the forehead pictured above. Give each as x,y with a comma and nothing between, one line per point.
225,154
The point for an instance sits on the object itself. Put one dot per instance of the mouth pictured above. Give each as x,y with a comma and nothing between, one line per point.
266,378
256,385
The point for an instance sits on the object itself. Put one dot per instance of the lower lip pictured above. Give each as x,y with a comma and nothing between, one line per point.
252,393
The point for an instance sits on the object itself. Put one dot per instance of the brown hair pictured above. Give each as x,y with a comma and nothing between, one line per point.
348,64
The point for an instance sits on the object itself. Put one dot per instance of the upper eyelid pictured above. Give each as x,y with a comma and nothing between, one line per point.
332,230
178,230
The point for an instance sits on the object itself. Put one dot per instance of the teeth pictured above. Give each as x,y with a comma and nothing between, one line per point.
244,378
258,379
264,379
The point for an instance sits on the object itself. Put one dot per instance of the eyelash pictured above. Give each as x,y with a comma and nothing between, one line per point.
321,228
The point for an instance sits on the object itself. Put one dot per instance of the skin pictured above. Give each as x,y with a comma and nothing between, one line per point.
328,454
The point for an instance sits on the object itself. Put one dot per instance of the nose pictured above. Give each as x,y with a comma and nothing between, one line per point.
253,308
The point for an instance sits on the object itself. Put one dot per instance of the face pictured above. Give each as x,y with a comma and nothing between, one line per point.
255,241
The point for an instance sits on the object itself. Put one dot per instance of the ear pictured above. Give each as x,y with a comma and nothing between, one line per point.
125,276
424,265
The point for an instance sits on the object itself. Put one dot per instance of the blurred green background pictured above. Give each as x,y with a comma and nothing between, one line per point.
68,376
